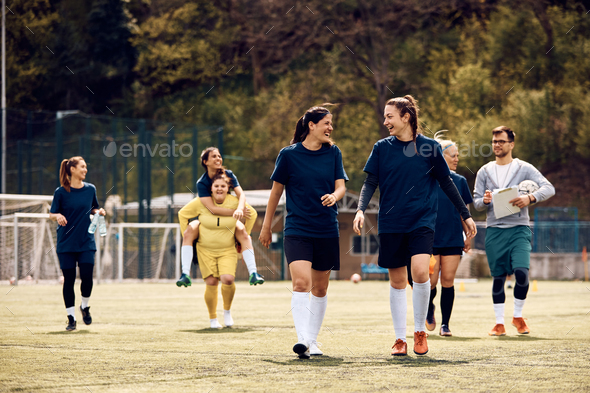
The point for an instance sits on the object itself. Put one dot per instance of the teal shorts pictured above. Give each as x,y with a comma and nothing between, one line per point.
507,249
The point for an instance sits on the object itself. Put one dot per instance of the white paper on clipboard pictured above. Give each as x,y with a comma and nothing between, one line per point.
500,200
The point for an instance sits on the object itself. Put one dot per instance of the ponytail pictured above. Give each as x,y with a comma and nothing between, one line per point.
313,114
65,172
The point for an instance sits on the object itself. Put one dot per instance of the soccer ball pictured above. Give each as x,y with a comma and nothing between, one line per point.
527,187
28,278
12,280
355,278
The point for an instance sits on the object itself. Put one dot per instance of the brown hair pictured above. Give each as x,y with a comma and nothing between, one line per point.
65,172
407,104
508,131
313,114
205,156
223,177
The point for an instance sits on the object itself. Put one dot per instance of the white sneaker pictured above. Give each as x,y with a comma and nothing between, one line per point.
302,349
227,319
314,350
215,324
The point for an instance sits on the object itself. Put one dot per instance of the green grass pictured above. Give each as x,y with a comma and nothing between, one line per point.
155,337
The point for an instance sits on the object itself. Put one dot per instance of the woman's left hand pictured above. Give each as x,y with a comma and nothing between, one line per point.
469,228
329,200
238,214
102,212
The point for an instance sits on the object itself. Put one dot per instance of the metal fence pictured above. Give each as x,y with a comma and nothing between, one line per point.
128,157
549,236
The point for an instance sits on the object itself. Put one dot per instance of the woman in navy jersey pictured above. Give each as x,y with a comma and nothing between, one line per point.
311,172
212,161
407,166
448,242
72,205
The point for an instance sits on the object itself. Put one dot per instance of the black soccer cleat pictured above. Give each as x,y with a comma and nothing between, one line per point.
71,324
86,315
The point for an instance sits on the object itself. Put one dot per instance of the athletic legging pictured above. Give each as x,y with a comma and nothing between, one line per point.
86,271
521,288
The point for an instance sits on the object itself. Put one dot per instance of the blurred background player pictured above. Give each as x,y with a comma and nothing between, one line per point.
216,249
406,167
311,172
212,161
508,239
448,241
71,207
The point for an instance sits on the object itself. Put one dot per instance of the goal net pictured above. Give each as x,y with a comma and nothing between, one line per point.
144,251
27,238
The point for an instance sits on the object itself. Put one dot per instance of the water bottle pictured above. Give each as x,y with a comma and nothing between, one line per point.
93,224
102,225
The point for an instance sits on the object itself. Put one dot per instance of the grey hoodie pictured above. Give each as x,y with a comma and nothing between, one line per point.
519,171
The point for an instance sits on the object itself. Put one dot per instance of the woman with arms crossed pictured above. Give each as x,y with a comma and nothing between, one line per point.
406,167
71,207
311,172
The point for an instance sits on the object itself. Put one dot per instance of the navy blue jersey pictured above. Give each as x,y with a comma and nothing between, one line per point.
407,182
75,206
307,176
204,183
448,231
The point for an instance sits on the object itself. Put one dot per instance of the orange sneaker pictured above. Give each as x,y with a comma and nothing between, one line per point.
498,330
420,344
400,348
520,325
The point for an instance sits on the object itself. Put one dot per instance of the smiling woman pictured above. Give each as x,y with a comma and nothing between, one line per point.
311,172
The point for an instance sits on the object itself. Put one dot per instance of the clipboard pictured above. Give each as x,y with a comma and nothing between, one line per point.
500,200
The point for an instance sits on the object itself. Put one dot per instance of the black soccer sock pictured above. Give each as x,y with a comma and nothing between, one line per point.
447,298
68,288
86,270
521,287
430,303
498,294
409,269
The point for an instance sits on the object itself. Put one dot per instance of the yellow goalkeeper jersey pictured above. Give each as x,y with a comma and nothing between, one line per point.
215,232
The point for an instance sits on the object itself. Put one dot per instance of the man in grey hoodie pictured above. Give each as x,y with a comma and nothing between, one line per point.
508,239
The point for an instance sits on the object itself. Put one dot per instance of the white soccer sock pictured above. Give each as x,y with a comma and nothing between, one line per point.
420,299
499,311
518,306
317,308
249,260
227,319
299,302
215,324
398,303
71,311
186,259
85,301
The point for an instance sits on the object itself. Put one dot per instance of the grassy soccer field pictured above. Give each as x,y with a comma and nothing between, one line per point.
155,337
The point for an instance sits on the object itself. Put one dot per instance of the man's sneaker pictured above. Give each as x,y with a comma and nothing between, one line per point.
400,348
256,279
184,281
71,324
430,320
498,330
314,350
420,344
302,349
520,325
445,331
86,315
